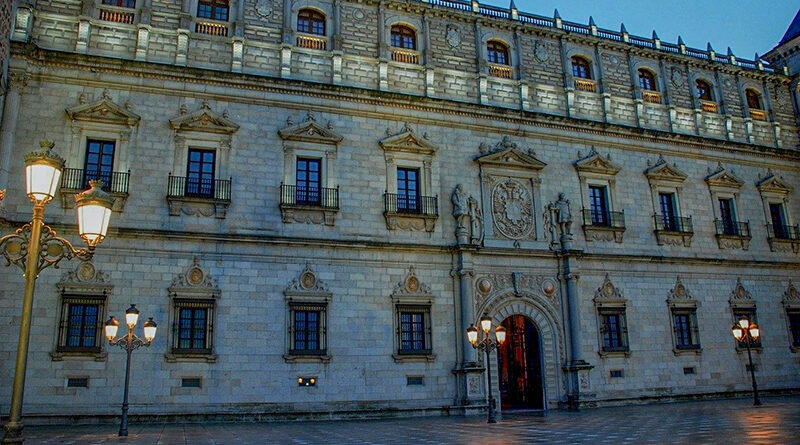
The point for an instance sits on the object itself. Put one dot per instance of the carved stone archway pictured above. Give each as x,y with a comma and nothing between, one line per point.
540,311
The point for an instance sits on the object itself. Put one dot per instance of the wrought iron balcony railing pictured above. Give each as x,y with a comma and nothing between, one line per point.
585,85
212,189
709,106
411,204
612,220
321,197
732,228
680,224
783,231
78,179
653,97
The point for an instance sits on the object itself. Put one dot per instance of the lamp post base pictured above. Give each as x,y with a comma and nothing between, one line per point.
12,433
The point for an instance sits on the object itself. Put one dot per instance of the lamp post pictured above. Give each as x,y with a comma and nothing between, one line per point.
129,342
35,246
746,331
487,345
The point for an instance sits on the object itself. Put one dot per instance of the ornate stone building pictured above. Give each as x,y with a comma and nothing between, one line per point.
316,198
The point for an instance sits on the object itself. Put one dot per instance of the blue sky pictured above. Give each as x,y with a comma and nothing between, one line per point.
746,26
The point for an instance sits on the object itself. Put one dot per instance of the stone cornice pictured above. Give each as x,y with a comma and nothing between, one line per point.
38,57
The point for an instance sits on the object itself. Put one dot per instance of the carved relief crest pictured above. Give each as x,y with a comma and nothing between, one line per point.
679,291
307,282
411,285
194,279
792,296
512,209
676,77
453,36
541,51
263,8
84,277
607,291
739,292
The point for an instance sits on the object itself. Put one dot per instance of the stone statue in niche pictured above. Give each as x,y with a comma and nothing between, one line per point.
469,219
561,216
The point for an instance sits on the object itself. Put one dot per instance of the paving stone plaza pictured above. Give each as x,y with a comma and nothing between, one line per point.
697,423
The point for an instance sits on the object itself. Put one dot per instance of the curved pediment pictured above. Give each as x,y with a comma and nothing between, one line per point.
594,162
408,141
722,177
663,171
507,154
204,120
103,111
773,184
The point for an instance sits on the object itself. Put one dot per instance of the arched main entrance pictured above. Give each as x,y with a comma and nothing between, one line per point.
519,364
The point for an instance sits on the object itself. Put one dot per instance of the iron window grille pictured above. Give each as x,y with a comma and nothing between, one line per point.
308,329
414,329
685,329
81,323
78,179
732,228
193,327
668,223
614,330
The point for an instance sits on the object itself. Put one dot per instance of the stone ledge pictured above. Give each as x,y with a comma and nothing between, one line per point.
409,221
733,242
602,233
307,214
173,357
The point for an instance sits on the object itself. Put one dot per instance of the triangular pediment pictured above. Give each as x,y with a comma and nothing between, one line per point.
723,178
103,111
664,171
310,131
594,162
204,120
408,141
773,184
511,158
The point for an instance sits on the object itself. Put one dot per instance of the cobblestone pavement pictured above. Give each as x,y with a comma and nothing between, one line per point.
707,422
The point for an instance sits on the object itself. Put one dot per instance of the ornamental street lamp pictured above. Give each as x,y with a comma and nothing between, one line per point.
35,247
129,342
745,331
487,345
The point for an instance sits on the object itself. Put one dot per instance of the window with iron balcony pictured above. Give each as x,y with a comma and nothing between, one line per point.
754,105
582,75
118,11
212,17
499,61
647,82
704,95
311,23
404,44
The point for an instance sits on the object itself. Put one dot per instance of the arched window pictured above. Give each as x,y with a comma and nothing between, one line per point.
213,9
496,52
581,68
703,90
311,21
404,37
647,80
753,99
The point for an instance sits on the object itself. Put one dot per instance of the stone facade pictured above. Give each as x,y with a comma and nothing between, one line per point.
156,87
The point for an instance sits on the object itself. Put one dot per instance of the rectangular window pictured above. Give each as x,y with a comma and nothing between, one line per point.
408,190
778,219
213,9
751,315
598,206
794,327
614,331
200,173
193,326
685,329
668,211
308,181
99,162
726,217
308,329
413,330
81,319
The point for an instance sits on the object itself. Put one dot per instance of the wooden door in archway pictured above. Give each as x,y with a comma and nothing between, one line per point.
519,364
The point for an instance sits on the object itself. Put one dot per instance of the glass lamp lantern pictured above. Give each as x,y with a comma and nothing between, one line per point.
755,332
94,212
500,333
472,334
43,173
486,324
131,316
150,329
738,332
744,322
111,327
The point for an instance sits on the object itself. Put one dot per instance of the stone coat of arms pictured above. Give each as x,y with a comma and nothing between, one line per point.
512,209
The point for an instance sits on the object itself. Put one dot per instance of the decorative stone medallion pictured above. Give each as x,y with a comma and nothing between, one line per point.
195,276
540,51
453,36
412,284
676,77
86,271
308,280
263,8
512,209
358,14
484,286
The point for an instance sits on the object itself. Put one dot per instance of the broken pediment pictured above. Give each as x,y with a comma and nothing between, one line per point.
103,111
507,154
723,178
594,162
664,171
773,184
408,141
204,120
310,131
